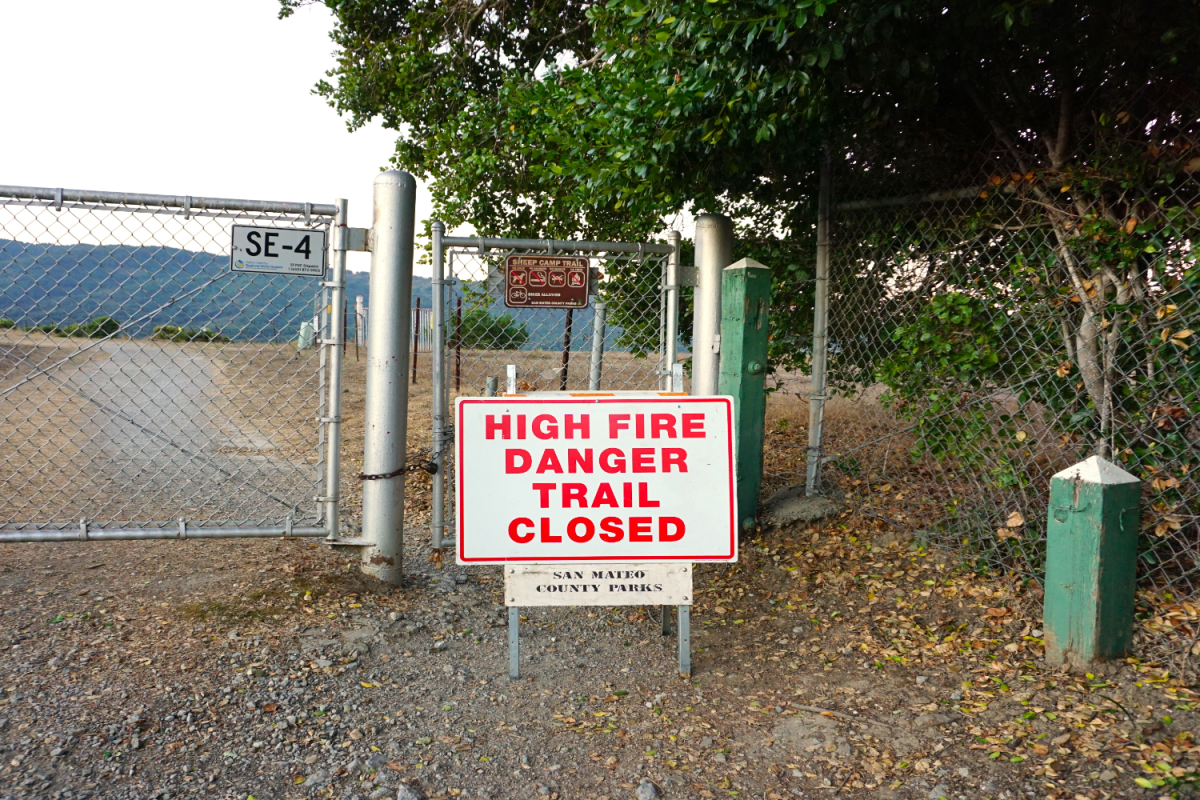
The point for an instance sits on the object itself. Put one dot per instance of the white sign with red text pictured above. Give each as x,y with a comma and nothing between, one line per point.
595,478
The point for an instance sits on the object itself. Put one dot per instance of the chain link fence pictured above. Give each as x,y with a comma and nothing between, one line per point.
146,387
990,326
619,342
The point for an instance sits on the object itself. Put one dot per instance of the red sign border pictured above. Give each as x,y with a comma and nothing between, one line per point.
460,478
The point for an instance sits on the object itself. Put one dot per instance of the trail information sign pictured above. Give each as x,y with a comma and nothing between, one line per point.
562,478
533,281
278,251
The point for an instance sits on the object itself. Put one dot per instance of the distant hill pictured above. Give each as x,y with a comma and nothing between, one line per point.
143,287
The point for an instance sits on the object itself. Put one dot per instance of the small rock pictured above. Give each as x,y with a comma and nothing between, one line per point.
956,695
964,772
135,743
921,679
311,760
394,616
939,792
646,790
322,663
707,741
720,758
544,791
1108,775
439,646
406,792
318,778
460,579
377,761
379,794
798,629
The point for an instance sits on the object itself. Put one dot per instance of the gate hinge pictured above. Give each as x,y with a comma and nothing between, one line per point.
351,239
325,420
333,285
716,344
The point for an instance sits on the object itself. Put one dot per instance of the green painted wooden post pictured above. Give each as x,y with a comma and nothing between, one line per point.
1091,558
745,304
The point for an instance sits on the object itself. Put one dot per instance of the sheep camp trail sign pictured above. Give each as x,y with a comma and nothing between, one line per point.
536,281
596,498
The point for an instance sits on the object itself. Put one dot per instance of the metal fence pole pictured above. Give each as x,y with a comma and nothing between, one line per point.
336,348
386,413
714,252
599,331
416,338
437,512
671,334
820,348
360,320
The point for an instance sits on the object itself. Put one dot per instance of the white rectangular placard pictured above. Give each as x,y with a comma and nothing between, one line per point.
563,477
278,251
598,585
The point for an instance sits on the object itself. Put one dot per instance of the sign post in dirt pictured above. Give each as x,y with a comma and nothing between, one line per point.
596,499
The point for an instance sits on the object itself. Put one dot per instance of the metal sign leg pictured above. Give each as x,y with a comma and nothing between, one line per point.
666,620
514,653
685,641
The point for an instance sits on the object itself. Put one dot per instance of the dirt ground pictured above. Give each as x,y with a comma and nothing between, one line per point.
837,660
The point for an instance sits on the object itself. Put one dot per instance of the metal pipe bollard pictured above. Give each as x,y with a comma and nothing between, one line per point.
714,249
386,413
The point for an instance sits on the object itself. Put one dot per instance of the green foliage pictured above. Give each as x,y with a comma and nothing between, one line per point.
481,330
6,323
174,333
98,328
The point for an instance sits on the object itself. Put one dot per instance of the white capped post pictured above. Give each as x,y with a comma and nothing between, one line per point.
386,415
714,252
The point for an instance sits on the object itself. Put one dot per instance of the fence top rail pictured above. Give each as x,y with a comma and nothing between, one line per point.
479,243
165,201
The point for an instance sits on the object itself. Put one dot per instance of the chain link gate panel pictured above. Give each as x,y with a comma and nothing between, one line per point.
620,342
146,390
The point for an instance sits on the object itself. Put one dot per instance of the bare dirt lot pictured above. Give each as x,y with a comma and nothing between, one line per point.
837,660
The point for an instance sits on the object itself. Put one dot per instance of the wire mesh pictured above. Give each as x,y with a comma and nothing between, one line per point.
987,333
551,348
142,382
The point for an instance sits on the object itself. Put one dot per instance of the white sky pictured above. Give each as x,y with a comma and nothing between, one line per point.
209,98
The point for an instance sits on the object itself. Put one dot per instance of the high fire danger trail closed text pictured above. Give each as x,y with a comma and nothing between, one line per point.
595,478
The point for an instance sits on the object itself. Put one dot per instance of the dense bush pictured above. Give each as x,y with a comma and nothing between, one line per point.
482,331
173,333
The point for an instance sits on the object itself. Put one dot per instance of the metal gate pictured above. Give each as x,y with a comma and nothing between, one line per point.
626,339
146,390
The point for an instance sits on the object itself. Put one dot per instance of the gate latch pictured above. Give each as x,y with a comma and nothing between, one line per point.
351,239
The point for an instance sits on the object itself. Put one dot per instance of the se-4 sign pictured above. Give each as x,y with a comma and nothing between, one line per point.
278,251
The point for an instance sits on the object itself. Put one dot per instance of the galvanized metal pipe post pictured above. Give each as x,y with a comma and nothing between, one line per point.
820,348
334,343
714,252
438,362
386,413
599,331
671,301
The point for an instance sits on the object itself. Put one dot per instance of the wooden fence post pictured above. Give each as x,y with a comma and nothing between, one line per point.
1091,561
745,306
